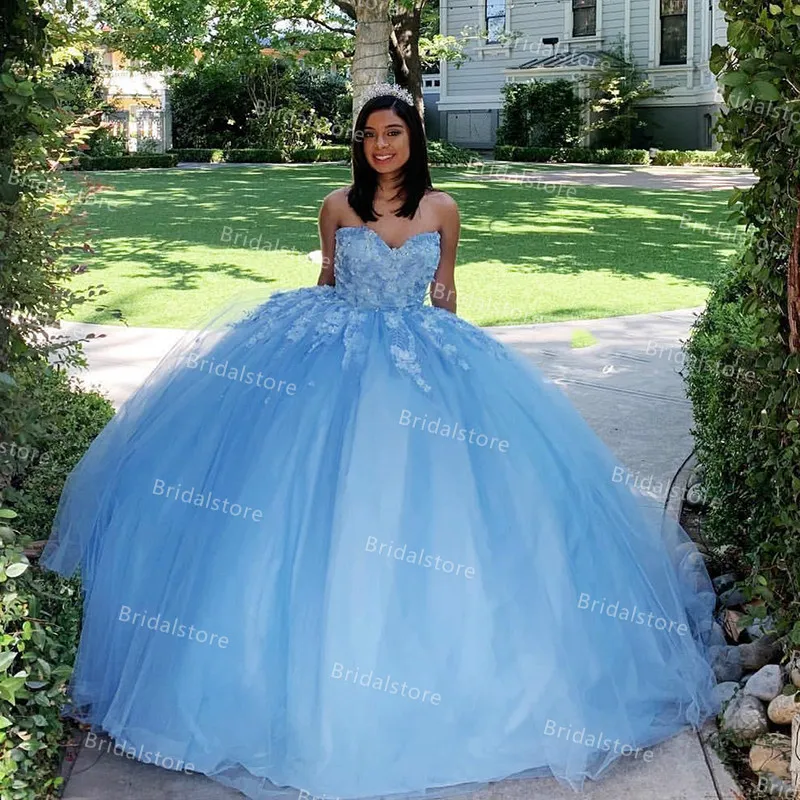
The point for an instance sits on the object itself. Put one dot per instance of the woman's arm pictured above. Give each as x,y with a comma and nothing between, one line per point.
443,286
328,222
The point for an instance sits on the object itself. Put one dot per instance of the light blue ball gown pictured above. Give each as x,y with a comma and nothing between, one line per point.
351,546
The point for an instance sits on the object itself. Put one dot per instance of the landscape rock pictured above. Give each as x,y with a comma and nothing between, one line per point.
782,709
732,598
696,475
724,582
727,663
794,668
745,716
763,651
760,628
772,754
723,692
732,623
766,684
774,786
696,495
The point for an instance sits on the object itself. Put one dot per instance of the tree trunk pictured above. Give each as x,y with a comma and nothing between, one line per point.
404,49
370,62
793,287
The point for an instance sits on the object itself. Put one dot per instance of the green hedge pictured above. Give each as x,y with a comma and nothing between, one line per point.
440,153
147,161
255,156
39,611
445,154
745,395
575,155
584,155
706,158
336,152
261,156
199,155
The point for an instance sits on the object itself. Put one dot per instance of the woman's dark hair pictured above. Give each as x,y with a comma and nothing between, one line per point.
416,175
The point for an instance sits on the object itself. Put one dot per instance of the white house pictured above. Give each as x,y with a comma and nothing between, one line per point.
522,40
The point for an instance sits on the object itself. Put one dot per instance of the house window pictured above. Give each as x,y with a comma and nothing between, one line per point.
710,43
495,20
673,31
584,17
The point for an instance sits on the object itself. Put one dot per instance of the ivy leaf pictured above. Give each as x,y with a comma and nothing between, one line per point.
765,91
7,513
734,79
739,96
783,59
15,570
9,688
774,9
6,659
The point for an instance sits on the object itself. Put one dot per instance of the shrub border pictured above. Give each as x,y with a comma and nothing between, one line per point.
586,155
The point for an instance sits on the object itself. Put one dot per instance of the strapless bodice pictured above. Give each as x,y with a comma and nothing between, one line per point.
371,274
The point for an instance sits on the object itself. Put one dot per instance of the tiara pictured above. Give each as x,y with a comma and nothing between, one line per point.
383,89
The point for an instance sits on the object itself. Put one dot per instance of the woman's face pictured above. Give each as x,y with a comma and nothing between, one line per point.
386,141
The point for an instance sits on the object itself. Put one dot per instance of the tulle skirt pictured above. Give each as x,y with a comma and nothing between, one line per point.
383,559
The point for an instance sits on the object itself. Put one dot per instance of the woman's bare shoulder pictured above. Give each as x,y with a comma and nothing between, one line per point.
337,198
442,205
335,205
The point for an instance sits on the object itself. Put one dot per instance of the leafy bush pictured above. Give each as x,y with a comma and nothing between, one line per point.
45,120
39,611
327,93
707,158
444,154
105,142
154,161
211,107
540,114
616,91
748,431
288,127
257,103
147,145
571,155
69,417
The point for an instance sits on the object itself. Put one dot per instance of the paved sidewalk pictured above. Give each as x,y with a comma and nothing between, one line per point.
697,179
691,178
627,386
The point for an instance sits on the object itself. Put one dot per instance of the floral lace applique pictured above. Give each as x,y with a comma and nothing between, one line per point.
403,350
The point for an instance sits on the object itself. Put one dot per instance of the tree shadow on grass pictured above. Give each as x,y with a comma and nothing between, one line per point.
160,260
624,232
632,233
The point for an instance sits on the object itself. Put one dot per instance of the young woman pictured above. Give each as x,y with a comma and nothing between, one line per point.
350,546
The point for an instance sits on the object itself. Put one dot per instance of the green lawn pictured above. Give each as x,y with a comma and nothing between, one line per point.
166,247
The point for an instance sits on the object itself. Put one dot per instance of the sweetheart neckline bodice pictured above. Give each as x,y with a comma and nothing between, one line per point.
382,240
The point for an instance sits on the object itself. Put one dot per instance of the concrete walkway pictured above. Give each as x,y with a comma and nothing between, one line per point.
691,178
628,388
695,179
